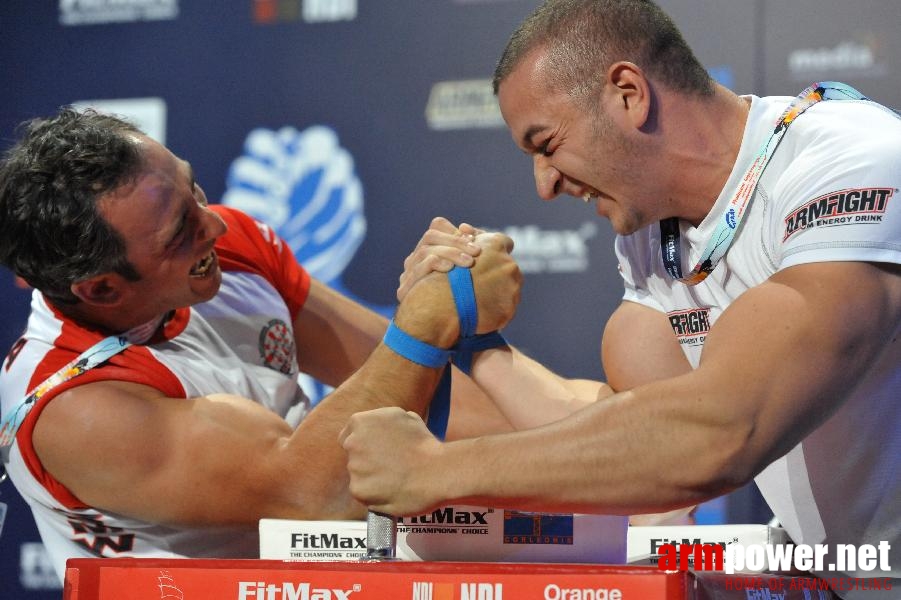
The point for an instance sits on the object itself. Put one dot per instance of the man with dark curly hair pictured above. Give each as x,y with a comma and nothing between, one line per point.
152,407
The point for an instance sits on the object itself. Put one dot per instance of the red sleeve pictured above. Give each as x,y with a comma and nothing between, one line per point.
252,246
135,364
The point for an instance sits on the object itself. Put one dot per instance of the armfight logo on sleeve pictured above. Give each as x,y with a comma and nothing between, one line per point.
537,528
844,207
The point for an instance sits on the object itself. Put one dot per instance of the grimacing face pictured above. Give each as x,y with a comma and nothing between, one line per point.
576,150
169,234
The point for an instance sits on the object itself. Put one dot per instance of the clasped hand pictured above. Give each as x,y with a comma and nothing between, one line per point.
391,453
496,276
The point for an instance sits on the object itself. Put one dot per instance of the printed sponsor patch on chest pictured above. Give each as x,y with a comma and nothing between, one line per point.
690,326
844,207
277,346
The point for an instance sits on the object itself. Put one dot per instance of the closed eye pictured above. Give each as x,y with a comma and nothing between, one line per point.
544,148
179,233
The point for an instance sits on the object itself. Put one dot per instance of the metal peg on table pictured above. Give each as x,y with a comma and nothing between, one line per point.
381,536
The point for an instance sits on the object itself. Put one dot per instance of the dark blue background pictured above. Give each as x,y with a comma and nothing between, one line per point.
222,74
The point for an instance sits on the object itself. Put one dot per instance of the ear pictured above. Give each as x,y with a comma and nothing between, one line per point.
631,92
100,290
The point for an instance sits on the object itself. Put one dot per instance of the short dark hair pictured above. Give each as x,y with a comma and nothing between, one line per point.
584,37
51,233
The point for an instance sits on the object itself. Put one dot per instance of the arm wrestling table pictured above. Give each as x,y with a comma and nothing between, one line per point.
190,579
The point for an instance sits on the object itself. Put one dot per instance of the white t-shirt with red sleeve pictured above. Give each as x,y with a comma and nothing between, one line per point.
239,342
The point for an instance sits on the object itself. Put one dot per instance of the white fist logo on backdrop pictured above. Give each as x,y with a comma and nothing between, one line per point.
303,185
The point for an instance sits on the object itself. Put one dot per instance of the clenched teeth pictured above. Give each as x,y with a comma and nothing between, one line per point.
203,266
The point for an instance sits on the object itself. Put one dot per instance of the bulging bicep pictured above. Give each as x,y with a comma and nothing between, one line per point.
639,347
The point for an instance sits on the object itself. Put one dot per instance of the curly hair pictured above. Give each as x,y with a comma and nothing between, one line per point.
584,37
51,233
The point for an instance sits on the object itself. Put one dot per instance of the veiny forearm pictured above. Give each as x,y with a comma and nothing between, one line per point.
684,439
315,464
647,450
385,379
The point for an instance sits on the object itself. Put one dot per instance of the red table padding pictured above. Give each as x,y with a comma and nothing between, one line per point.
189,579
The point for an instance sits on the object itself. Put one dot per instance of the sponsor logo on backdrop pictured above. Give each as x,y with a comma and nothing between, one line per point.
466,104
329,11
92,12
537,528
847,58
36,568
551,251
304,185
309,11
149,114
844,207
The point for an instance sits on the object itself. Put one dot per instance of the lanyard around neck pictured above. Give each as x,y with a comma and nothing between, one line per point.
90,358
731,220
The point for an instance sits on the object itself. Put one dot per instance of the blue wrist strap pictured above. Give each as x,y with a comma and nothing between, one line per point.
469,342
465,299
413,349
427,355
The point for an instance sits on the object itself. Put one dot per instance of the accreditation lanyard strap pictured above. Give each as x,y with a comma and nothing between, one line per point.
738,205
90,358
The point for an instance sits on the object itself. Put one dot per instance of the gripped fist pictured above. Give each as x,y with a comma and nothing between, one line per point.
427,310
388,449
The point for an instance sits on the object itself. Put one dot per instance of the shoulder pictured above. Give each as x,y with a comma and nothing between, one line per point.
244,232
837,146
98,404
851,120
116,425
848,130
249,245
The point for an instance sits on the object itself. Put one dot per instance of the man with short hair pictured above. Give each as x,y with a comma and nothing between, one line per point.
759,338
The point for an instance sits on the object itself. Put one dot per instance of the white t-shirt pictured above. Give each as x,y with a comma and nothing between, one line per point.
241,342
829,193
